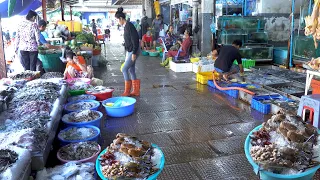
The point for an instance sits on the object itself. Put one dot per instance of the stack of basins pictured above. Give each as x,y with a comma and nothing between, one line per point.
80,130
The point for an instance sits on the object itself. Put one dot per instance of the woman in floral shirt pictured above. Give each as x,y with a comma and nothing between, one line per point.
27,41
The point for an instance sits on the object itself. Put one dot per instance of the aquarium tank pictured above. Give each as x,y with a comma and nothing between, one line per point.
228,36
303,47
257,52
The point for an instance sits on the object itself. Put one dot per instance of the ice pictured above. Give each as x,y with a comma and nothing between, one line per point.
134,142
123,158
278,139
156,158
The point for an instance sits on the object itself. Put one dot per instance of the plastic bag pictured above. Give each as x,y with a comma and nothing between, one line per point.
121,67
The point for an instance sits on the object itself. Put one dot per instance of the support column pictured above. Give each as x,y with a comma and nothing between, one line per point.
62,10
3,68
195,6
44,10
149,10
70,13
170,7
206,20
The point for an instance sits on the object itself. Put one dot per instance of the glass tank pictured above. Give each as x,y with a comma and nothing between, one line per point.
227,37
257,52
303,47
236,22
258,37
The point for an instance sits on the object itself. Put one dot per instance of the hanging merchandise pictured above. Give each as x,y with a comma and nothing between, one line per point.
213,26
312,24
156,5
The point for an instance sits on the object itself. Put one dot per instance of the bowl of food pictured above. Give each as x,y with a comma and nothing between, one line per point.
78,134
79,152
119,106
83,118
81,97
130,158
81,105
100,92
283,148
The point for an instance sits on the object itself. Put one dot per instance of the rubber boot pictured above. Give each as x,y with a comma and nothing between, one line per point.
136,87
127,88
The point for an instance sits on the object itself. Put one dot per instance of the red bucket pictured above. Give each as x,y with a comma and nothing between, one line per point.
102,96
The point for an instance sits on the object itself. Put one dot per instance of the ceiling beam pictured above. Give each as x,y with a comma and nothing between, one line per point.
105,8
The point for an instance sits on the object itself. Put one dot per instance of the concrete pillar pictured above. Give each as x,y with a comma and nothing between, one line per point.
3,68
148,10
195,6
206,20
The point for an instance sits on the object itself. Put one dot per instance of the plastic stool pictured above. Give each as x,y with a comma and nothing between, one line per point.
311,103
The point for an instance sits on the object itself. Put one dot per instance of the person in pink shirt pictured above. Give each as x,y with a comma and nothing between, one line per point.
27,41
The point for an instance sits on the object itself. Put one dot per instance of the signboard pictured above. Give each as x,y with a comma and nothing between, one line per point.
174,2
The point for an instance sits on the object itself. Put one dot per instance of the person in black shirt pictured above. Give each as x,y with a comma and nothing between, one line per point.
131,44
226,56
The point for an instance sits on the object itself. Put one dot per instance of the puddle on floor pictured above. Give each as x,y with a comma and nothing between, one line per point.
162,86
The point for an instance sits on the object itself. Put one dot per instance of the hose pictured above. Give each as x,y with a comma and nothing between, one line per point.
230,88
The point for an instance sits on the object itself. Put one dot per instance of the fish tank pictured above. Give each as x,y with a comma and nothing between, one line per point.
303,47
258,37
241,22
228,36
257,52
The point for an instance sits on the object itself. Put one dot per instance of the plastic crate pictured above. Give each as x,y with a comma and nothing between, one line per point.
180,67
246,63
315,84
203,77
265,108
232,93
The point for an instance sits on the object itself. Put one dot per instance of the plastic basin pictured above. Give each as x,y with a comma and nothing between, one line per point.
152,177
102,96
91,159
95,138
145,53
97,104
76,92
153,54
95,122
265,175
119,111
86,96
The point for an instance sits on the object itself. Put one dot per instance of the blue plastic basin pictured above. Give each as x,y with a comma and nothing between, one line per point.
265,175
152,177
95,122
119,111
87,97
95,138
97,104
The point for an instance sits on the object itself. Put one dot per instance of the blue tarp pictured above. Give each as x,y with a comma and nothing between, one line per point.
21,7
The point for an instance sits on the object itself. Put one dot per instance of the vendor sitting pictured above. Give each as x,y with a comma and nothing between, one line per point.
226,56
170,38
76,67
146,42
184,46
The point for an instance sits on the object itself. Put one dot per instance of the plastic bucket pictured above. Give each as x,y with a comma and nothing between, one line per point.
97,104
95,122
145,53
102,96
153,54
90,159
85,96
152,177
119,111
95,138
265,175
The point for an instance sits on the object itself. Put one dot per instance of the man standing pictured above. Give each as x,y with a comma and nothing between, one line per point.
226,56
94,27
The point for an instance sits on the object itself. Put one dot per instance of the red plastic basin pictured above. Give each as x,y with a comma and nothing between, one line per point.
102,96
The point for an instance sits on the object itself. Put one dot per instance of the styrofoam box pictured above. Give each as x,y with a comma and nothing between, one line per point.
180,67
203,68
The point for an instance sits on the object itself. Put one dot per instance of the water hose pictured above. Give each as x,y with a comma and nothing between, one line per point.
230,88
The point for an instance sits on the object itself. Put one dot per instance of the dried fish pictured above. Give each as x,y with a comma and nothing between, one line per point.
81,97
25,75
83,116
79,106
77,133
49,75
78,151
7,158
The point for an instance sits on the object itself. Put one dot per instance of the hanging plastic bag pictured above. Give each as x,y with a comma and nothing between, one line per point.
162,33
121,67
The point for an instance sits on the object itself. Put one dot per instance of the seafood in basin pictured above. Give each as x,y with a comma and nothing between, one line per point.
79,151
77,133
284,143
82,116
129,158
81,106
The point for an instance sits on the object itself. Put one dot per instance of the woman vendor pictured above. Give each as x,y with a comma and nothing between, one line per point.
146,42
184,46
170,38
76,67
